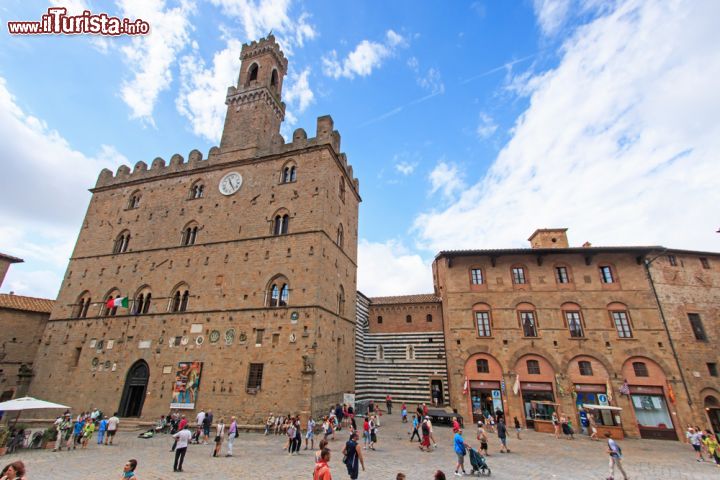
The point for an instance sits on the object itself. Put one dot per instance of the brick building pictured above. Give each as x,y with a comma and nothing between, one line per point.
236,267
401,350
553,328
22,322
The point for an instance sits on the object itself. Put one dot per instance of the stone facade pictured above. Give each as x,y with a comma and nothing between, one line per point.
688,289
209,262
566,337
403,351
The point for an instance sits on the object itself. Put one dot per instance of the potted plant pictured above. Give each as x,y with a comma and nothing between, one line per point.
48,438
4,436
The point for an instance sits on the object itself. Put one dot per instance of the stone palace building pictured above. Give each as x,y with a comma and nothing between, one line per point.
229,282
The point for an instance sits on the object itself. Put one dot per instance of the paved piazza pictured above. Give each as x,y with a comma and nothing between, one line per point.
536,456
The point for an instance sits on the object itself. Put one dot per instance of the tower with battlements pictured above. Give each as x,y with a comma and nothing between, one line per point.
239,270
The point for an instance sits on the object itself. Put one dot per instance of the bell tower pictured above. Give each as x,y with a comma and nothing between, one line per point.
255,109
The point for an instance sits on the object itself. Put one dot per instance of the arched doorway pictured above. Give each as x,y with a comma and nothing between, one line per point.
650,396
712,408
537,380
135,389
484,388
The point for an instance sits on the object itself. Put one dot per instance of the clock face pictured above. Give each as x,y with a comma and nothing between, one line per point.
230,183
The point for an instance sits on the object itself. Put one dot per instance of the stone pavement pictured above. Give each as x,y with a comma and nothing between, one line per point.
536,456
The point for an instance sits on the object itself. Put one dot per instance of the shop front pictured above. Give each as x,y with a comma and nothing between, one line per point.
485,392
651,412
538,405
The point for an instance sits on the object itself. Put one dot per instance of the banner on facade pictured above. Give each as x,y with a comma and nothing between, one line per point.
187,384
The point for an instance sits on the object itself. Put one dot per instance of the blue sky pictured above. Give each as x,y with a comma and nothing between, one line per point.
469,124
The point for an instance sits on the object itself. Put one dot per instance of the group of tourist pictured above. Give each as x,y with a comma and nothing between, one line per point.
703,442
70,433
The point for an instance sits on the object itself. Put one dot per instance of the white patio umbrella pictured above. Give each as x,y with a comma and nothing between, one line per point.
27,403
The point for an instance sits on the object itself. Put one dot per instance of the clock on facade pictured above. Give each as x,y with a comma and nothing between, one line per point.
230,183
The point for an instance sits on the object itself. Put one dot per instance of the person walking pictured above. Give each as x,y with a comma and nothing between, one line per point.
388,404
593,428
517,427
353,457
430,426
183,438
88,430
102,428
366,432
415,432
219,436
112,426
425,427
403,413
615,453
460,450
310,434
695,438
711,446
269,422
318,453
482,436
322,469
78,432
556,425
129,470
207,426
297,440
502,435
232,435
373,433
290,432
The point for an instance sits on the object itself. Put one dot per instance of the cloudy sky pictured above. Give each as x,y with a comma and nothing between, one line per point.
469,124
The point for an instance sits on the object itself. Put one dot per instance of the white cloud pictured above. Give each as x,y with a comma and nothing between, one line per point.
201,98
260,17
297,90
619,142
43,188
446,178
431,80
486,126
389,268
151,56
551,14
405,167
364,58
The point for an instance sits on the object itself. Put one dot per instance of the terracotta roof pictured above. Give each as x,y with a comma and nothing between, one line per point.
10,258
421,298
28,304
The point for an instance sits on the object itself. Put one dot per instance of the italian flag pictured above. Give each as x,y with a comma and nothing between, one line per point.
117,302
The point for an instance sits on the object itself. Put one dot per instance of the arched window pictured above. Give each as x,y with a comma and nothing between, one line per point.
278,292
289,172
528,319
573,319
189,234
110,311
252,74
179,299
281,223
82,305
197,190
428,318
342,189
341,301
134,201
122,242
141,303
274,81
408,318
340,236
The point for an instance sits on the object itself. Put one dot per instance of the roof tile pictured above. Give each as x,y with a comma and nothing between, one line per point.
28,304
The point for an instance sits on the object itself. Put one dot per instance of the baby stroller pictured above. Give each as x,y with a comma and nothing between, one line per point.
478,464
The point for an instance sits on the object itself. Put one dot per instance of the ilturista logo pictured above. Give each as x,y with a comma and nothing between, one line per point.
57,22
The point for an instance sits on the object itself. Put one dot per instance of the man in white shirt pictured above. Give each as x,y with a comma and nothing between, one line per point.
112,426
182,437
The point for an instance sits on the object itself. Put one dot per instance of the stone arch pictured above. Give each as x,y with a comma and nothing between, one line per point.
277,291
134,391
288,172
252,73
496,368
280,222
589,352
644,352
539,351
708,392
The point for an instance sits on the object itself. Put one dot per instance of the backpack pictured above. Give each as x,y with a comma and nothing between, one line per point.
425,429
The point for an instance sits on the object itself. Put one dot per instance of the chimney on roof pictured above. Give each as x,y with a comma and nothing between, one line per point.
549,238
